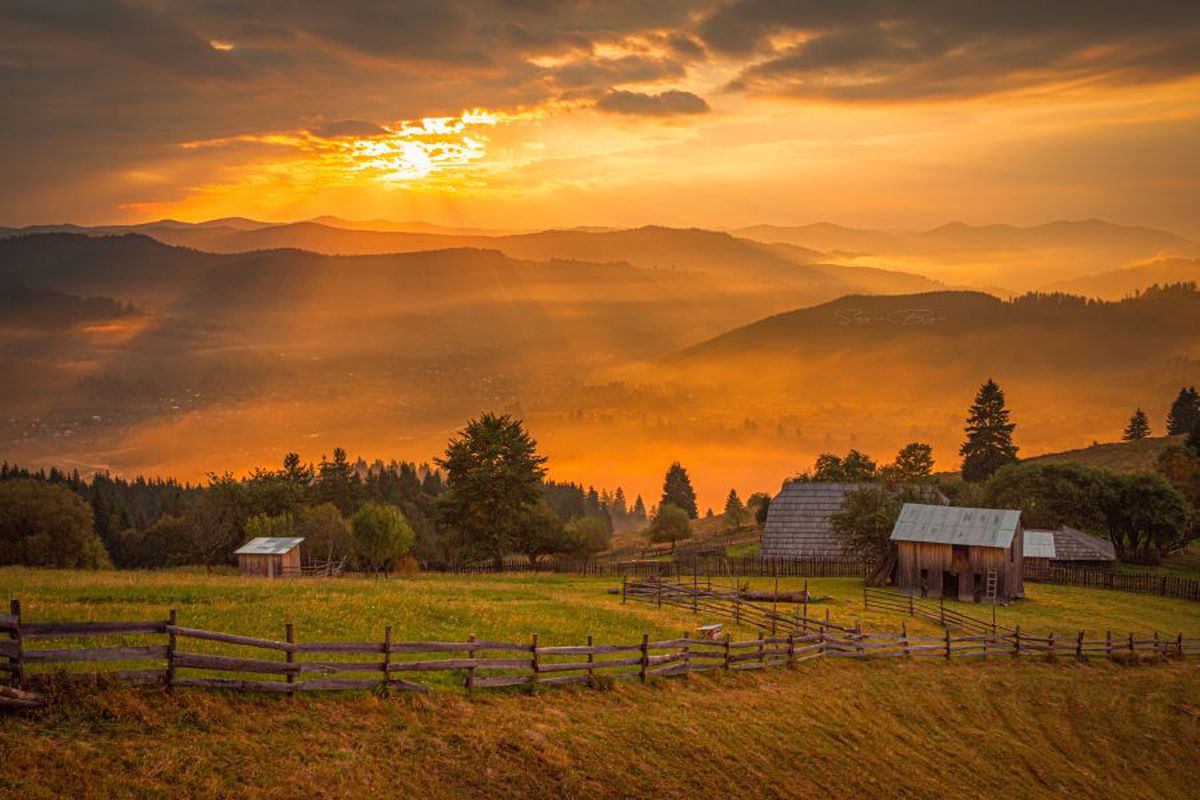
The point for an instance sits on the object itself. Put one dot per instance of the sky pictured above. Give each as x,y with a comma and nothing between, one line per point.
525,114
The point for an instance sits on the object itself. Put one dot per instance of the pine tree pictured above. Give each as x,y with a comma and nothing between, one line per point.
735,512
1185,411
678,491
639,509
619,508
1138,427
989,443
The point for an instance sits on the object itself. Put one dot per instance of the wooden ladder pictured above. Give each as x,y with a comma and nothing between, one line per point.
993,581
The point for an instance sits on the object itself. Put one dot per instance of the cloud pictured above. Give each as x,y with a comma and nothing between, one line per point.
347,127
883,50
664,104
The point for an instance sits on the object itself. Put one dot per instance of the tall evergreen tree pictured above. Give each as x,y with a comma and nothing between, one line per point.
735,512
620,508
678,491
494,480
1185,411
639,509
989,443
1138,427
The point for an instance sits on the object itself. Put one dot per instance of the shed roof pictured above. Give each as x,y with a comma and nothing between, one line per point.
981,527
1075,545
1038,544
798,519
269,546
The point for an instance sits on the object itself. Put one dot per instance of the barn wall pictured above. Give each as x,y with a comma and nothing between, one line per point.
290,562
937,559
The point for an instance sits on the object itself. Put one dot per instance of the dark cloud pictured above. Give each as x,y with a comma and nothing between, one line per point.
346,127
664,104
903,49
616,71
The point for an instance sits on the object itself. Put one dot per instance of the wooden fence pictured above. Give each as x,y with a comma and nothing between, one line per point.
936,612
1142,583
684,565
175,658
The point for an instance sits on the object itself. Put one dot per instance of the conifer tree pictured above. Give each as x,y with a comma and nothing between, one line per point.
989,443
735,512
1138,427
639,509
1185,411
678,491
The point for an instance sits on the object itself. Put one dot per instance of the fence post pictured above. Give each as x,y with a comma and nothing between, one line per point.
1156,644
1108,643
170,649
624,584
942,611
291,659
645,656
470,670
947,646
660,587
1079,647
17,660
911,610
762,653
1052,653
387,659
535,662
792,650
806,604
727,652
695,586
1017,642
1179,645
904,637
737,606
591,659
687,658
1131,643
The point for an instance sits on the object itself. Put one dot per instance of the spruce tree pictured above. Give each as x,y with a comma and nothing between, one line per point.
735,512
1185,411
989,443
678,491
1138,427
639,509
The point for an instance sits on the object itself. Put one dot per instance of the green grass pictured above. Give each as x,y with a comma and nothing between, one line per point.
1184,564
828,729
1121,457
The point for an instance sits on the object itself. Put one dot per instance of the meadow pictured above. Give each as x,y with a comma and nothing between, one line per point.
920,729
561,609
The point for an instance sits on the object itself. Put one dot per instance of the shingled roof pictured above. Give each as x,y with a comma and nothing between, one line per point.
1075,545
798,520
979,527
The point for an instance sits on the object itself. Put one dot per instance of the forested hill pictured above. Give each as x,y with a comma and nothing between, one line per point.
1047,329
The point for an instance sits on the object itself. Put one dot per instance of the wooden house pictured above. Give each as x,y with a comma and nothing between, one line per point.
972,554
270,557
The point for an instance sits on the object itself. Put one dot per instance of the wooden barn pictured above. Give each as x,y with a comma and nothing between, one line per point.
972,554
270,557
1066,547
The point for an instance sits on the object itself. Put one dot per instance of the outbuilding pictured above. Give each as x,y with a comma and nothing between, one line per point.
270,557
972,554
1066,547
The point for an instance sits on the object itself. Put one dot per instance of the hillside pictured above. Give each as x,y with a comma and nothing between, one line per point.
1020,258
1119,283
1139,456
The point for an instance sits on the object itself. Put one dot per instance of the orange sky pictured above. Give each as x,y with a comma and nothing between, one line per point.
526,114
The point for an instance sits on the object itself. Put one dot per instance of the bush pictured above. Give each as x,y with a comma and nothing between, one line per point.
381,536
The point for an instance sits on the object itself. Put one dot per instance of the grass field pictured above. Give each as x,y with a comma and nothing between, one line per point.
828,728
825,730
562,609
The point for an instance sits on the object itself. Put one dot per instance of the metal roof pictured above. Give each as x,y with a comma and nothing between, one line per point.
269,545
1038,544
981,527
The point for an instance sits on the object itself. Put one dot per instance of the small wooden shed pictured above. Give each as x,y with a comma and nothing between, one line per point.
972,554
270,557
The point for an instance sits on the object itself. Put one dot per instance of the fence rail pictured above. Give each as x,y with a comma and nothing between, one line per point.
288,666
1142,583
681,566
926,609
